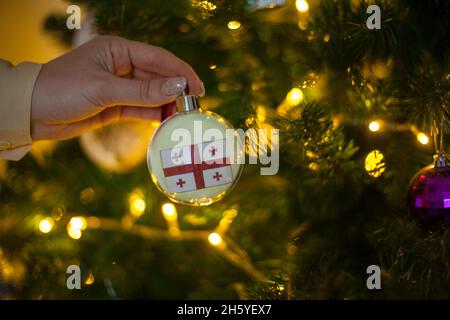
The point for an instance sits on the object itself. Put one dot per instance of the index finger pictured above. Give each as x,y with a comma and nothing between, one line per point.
156,59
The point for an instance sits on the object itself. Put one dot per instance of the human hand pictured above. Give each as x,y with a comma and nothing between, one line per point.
106,79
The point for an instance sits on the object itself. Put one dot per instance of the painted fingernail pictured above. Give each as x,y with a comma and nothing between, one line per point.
202,90
174,86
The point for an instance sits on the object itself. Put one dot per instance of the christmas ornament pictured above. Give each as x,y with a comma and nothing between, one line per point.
194,156
118,147
429,195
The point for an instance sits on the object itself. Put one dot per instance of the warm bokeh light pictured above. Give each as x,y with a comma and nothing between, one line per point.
137,203
46,225
215,239
234,25
74,233
374,126
78,223
213,67
261,113
87,195
374,163
295,96
90,279
169,211
138,207
302,5
230,213
422,138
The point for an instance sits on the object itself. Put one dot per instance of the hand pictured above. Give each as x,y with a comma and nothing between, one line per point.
104,80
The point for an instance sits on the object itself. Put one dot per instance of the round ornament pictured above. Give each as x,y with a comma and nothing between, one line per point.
118,147
195,156
429,196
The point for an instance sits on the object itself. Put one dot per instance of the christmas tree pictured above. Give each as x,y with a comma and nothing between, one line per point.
360,110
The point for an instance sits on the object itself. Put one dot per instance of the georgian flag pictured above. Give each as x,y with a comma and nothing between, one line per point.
196,166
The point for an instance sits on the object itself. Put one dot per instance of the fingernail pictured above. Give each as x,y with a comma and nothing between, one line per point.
202,90
174,86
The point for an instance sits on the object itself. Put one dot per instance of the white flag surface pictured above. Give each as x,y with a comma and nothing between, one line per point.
176,156
218,176
181,182
214,151
196,166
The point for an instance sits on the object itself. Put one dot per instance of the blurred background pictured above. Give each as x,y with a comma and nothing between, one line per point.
360,113
22,30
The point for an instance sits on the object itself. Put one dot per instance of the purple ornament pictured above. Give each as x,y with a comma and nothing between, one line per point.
429,196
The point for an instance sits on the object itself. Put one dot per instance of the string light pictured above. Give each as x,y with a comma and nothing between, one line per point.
137,203
78,223
374,163
213,67
169,211
73,232
234,25
302,6
75,226
171,216
215,239
46,225
225,222
295,96
422,138
230,251
374,126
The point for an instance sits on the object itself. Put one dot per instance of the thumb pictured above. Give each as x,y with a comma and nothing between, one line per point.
148,93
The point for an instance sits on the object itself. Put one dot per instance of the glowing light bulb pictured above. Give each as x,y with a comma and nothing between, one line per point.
138,207
213,67
374,126
137,203
295,96
74,233
78,223
215,239
46,225
302,5
422,138
234,25
374,163
169,211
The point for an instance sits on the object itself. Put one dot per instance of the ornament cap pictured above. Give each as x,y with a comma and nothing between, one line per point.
440,160
187,103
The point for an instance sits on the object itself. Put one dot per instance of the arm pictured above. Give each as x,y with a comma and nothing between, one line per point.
102,81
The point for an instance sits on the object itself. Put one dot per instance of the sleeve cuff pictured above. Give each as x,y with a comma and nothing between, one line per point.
16,88
16,153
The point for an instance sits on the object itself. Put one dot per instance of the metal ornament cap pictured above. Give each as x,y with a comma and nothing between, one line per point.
440,160
187,103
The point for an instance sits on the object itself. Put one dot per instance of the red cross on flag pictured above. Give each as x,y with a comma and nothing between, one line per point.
196,166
